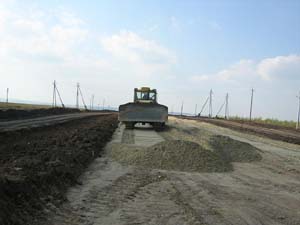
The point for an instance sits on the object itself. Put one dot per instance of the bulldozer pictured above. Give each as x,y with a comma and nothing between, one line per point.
144,109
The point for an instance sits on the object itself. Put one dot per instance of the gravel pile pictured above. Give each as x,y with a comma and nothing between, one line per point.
176,155
233,150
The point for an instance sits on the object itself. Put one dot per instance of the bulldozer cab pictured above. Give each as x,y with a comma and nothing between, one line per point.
145,95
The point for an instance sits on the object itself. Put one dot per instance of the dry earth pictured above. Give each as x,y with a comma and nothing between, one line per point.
44,121
37,165
274,132
261,191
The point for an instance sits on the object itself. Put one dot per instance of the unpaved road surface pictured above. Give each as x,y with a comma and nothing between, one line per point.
286,134
44,121
258,192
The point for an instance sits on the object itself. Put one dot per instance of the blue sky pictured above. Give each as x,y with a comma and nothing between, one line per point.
182,48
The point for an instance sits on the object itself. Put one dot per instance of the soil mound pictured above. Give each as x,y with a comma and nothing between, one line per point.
173,155
37,165
15,114
233,150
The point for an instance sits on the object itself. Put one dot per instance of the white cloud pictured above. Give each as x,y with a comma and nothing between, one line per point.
243,68
28,25
69,19
25,34
48,44
280,67
242,71
200,78
276,68
131,47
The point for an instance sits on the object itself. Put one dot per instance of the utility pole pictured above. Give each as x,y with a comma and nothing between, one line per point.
82,97
181,109
92,102
7,90
55,91
54,94
203,106
210,103
298,121
63,105
103,103
77,96
196,110
251,103
172,111
226,107
221,108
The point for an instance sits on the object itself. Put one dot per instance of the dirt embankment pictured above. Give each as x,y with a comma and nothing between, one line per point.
37,165
15,114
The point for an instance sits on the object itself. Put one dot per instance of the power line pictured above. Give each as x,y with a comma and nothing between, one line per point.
7,95
92,103
210,103
221,108
54,95
227,107
298,120
251,103
60,97
77,96
181,108
55,91
204,105
82,97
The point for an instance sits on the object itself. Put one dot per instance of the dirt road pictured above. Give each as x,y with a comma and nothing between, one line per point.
257,192
286,134
44,121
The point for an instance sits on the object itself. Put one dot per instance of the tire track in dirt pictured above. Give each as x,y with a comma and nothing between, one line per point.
124,195
128,137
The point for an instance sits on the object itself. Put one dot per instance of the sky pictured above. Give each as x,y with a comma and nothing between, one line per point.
181,48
